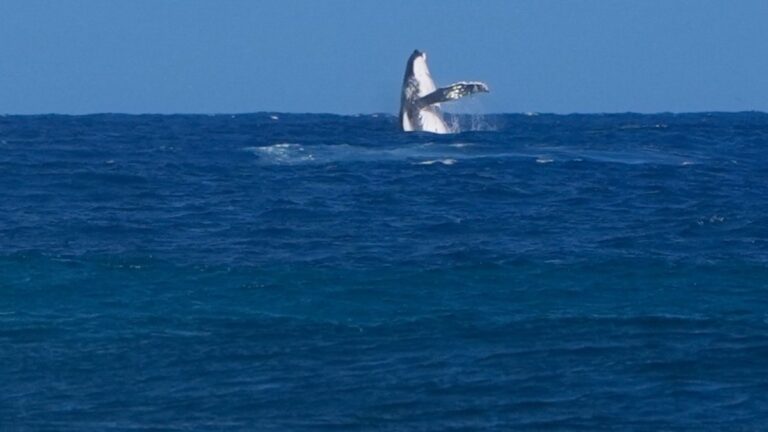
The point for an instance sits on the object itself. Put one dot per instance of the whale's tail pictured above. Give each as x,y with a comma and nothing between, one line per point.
452,92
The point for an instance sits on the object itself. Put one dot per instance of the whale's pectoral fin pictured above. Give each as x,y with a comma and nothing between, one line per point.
453,92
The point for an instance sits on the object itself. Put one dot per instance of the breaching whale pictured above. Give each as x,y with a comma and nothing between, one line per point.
420,101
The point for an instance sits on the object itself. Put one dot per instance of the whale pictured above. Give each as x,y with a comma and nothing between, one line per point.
421,98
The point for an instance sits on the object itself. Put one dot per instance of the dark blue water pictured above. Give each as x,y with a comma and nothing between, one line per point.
317,272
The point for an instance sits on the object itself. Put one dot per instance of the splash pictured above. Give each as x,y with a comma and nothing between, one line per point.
468,116
465,122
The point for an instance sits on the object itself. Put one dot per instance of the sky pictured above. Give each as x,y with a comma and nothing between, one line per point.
348,56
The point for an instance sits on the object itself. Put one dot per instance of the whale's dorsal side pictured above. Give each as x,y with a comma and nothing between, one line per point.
420,99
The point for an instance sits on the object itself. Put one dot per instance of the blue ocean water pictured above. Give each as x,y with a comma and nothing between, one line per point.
281,272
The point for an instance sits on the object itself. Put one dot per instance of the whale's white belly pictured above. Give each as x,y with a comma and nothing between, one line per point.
432,122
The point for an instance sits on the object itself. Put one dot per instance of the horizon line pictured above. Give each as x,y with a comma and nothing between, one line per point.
375,114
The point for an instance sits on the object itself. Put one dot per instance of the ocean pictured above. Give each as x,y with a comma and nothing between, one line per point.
302,272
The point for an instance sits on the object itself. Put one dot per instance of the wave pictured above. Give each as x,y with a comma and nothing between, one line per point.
298,154
432,153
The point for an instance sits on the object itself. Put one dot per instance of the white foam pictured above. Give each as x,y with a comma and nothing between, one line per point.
283,153
274,117
440,161
286,153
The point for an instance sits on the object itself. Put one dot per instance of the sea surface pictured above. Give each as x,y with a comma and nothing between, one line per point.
277,272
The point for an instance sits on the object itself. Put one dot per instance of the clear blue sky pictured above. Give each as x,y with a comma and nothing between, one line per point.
215,56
